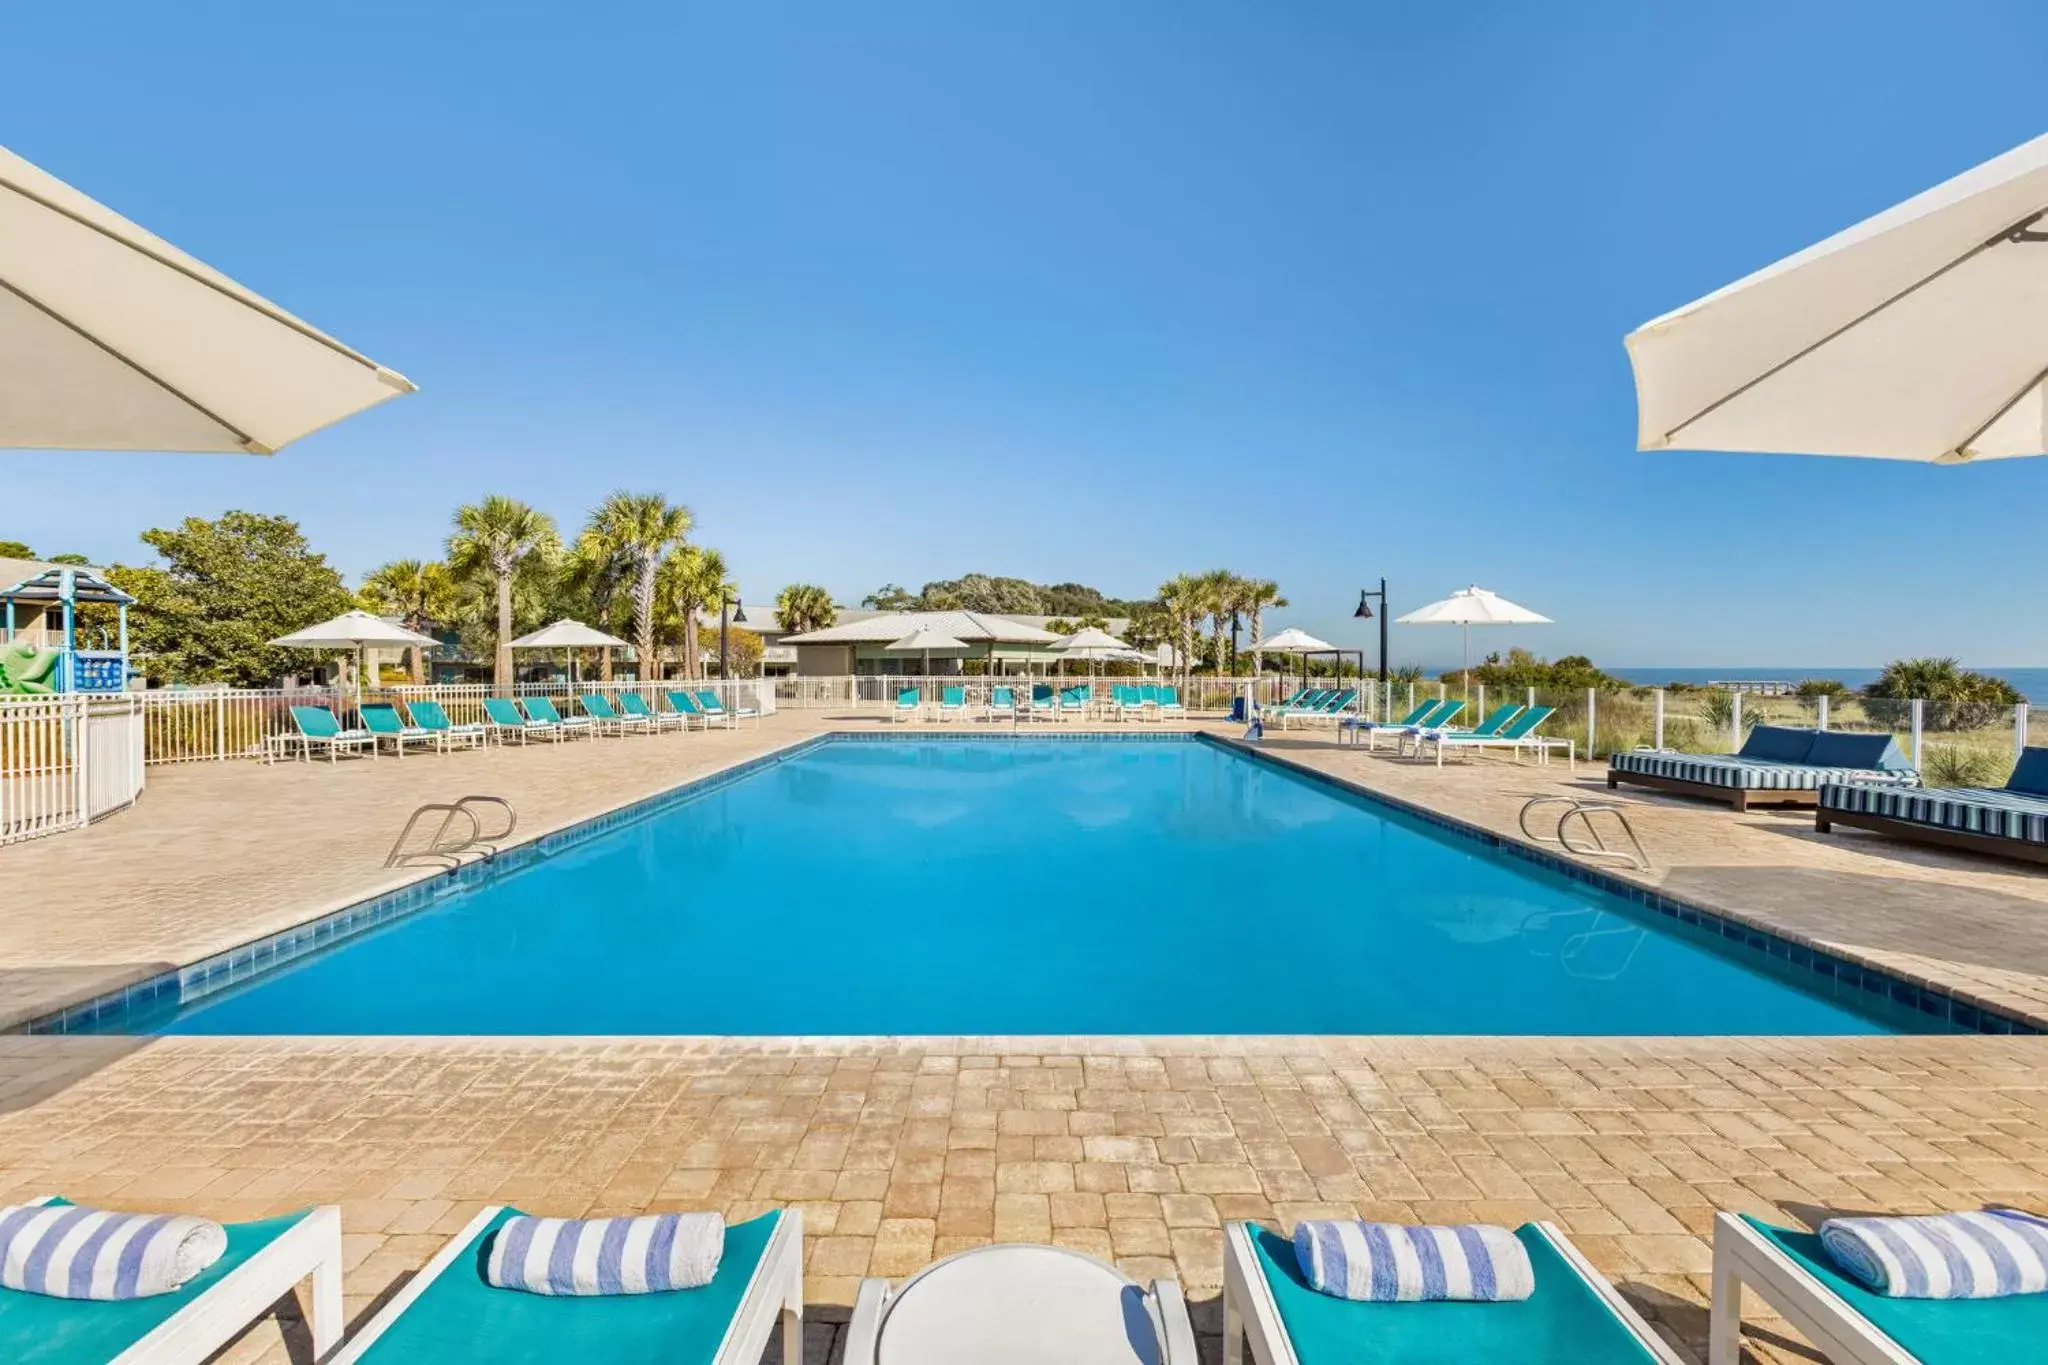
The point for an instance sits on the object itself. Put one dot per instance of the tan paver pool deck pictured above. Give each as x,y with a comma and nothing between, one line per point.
899,1150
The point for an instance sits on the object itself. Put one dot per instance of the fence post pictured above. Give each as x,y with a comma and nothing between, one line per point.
1530,700
1823,712
1482,705
81,782
1659,711
1734,720
1918,706
1592,718
220,727
2019,732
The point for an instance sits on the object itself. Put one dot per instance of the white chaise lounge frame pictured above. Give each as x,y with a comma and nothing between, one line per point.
1744,1256
775,1291
309,1249
1251,1316
1164,1301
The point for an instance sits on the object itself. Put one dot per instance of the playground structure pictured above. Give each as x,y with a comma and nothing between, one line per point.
32,666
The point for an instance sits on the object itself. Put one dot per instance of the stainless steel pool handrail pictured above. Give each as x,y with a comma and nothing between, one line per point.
1635,856
440,846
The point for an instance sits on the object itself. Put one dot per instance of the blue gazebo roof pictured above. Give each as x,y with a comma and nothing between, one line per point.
66,584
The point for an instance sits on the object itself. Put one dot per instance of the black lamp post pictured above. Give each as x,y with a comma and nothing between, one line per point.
730,614
1364,613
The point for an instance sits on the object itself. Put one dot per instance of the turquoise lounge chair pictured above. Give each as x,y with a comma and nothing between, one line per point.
686,705
507,720
1575,1317
449,1312
1415,717
1073,701
636,705
1329,707
1169,702
542,711
1306,700
317,725
908,701
429,716
1042,703
1518,735
599,708
1496,721
708,699
385,726
1850,1325
952,702
1435,715
1002,701
262,1263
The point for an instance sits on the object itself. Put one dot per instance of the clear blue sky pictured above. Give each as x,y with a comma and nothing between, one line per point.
896,291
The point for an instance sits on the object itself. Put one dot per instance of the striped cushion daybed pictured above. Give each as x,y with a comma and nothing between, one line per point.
2011,821
1779,766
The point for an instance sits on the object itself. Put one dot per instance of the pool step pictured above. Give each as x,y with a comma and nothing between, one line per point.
447,846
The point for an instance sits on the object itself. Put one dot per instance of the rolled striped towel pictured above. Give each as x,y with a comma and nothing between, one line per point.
1403,1263
71,1252
1984,1255
650,1254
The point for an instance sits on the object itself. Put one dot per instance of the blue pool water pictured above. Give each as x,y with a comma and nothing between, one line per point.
1020,886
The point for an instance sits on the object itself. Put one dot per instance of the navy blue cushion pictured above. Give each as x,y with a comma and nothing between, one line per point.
1776,744
2031,775
1840,749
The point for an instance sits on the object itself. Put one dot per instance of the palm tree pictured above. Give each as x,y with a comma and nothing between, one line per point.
419,592
1256,594
595,574
1181,598
1219,603
642,528
493,540
689,580
804,607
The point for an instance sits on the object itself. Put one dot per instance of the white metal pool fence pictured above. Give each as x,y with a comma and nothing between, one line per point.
67,760
64,761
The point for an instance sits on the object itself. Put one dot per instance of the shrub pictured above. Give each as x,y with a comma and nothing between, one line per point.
1963,765
1958,698
1811,688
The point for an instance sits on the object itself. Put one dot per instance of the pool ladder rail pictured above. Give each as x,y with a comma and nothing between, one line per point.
1593,847
447,846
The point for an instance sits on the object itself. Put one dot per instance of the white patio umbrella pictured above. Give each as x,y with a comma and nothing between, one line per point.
357,630
1296,641
1469,607
569,635
113,339
1091,644
924,640
1918,334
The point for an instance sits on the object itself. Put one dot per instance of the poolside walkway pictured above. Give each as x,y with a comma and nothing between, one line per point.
900,1150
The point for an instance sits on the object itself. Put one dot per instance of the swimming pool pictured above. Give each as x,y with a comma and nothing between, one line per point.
1029,886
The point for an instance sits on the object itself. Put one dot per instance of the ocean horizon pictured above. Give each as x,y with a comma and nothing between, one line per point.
2031,682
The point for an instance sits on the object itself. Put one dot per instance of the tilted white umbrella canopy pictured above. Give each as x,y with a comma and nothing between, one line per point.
1091,644
357,630
1469,607
569,635
1294,640
1918,334
113,339
924,640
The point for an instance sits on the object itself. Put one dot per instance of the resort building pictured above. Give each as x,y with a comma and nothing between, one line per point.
999,644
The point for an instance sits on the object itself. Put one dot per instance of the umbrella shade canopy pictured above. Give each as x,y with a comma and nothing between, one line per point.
1918,334
926,640
1091,643
354,630
1474,606
113,339
567,634
1294,640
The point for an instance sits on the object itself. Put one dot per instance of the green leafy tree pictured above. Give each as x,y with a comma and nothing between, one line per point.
643,528
744,649
1521,668
804,607
692,581
69,557
223,590
592,588
493,541
890,597
421,593
15,549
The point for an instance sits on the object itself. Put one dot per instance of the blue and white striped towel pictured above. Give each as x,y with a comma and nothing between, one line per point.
650,1254
71,1252
1943,1256
1401,1263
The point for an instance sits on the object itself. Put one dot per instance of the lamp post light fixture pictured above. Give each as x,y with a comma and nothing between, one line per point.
1365,613
730,614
